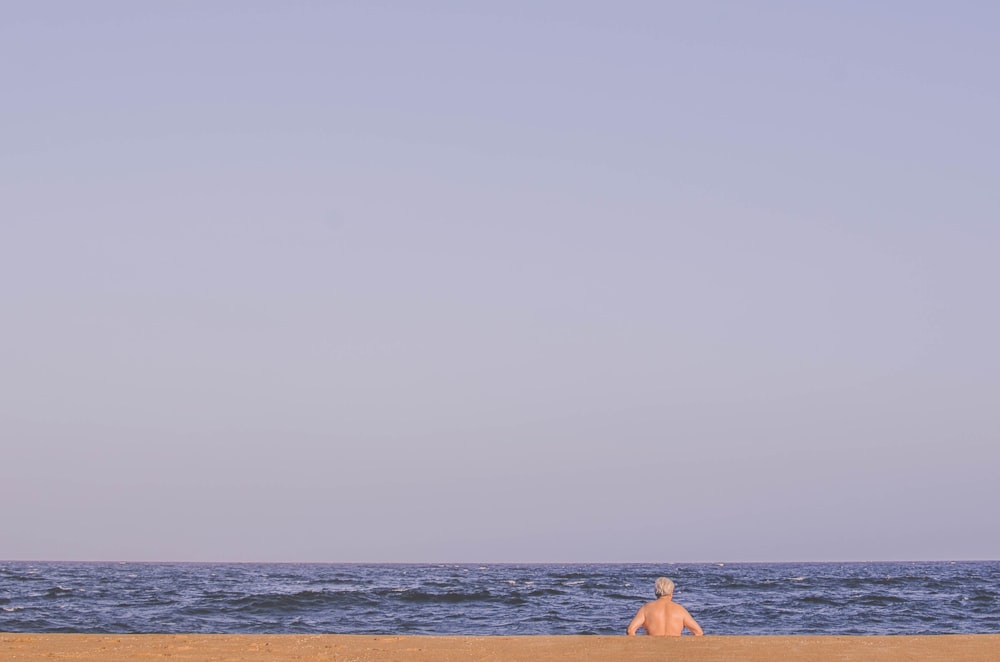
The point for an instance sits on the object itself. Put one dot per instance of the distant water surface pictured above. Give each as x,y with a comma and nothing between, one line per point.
471,599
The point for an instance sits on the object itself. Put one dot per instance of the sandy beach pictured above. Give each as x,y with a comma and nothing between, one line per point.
278,648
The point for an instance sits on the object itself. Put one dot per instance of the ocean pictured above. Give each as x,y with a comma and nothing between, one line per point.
496,599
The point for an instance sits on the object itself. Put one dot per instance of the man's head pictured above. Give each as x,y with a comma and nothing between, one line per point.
664,587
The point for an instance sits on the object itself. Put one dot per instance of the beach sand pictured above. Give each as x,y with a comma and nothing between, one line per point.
279,648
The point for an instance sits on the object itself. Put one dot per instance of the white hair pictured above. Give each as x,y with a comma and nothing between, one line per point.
664,587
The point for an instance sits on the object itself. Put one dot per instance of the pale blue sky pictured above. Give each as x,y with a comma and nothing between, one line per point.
539,281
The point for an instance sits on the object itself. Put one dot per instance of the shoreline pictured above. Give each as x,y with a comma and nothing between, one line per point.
30,647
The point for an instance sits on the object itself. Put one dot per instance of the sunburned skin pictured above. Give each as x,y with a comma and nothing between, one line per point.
663,618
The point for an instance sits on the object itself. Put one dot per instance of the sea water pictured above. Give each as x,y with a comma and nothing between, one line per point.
496,599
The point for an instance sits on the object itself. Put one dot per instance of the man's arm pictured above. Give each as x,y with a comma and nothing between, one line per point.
637,622
692,624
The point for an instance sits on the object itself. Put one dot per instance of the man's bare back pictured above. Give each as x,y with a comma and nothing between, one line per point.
663,617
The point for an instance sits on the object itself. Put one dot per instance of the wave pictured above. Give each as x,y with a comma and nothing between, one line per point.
622,596
23,578
58,591
278,602
818,600
539,593
449,598
880,600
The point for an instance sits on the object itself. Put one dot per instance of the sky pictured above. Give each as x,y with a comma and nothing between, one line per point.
499,281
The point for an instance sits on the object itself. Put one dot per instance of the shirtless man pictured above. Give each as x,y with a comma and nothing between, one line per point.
663,617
